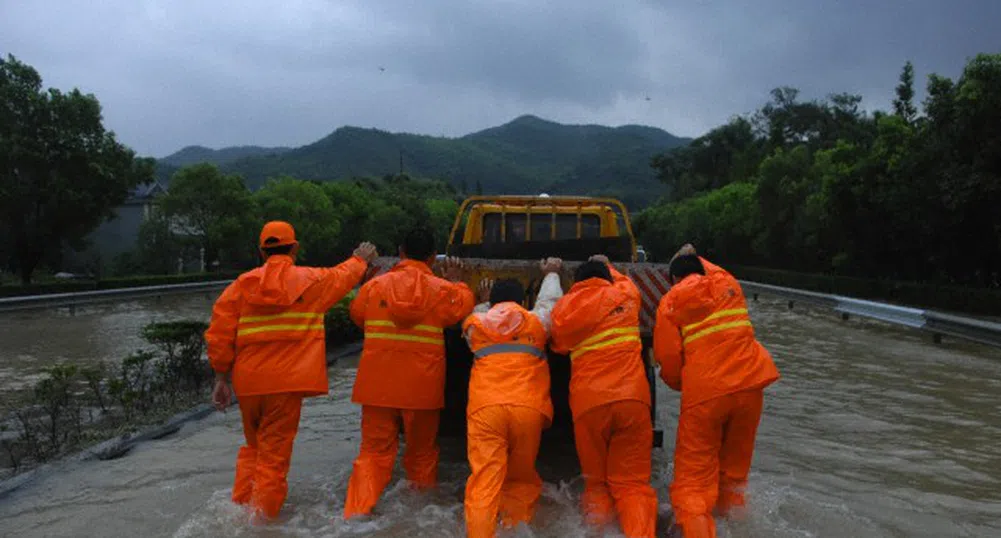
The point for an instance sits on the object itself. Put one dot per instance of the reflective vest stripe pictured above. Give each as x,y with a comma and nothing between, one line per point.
387,323
510,348
285,315
276,328
405,338
376,330
610,332
714,316
632,334
716,328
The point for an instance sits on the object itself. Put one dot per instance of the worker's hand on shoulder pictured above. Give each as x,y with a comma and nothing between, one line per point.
367,252
551,265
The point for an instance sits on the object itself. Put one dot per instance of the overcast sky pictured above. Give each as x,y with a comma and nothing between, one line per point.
171,73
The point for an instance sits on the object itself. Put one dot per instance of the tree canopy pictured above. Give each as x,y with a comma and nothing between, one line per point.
61,172
216,211
825,186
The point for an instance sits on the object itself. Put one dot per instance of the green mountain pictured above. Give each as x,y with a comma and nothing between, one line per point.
526,155
201,154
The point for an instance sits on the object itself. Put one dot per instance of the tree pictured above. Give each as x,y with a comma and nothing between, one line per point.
216,210
158,247
897,195
61,172
306,206
903,105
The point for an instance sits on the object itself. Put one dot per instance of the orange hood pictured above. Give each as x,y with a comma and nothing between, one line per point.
410,294
692,299
503,320
279,283
585,305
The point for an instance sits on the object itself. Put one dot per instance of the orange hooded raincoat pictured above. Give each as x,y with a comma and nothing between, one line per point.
705,345
401,375
267,331
509,406
597,322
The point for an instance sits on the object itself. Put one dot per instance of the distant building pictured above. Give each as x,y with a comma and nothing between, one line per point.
118,235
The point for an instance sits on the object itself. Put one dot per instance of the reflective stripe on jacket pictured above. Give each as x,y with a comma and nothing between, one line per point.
509,351
404,313
705,342
597,323
267,326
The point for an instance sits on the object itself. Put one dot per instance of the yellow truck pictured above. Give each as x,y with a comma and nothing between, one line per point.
505,237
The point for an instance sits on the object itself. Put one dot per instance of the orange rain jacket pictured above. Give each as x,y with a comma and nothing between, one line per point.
404,313
597,322
509,350
509,406
267,326
704,341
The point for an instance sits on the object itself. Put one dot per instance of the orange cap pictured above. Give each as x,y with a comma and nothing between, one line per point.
277,233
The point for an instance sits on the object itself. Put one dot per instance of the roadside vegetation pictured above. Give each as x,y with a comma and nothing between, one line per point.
901,204
73,407
829,188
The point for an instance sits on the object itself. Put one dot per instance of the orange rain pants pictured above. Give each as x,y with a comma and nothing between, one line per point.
614,442
503,443
712,459
270,424
373,468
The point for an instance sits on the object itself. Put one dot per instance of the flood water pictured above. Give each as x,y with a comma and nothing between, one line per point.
871,432
33,340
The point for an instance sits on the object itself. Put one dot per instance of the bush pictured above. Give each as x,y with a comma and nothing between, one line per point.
339,327
70,406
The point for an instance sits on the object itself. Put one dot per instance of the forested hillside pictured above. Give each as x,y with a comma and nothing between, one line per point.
526,155
201,154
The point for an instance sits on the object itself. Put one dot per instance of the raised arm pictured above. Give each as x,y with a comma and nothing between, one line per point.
550,291
458,303
668,349
458,300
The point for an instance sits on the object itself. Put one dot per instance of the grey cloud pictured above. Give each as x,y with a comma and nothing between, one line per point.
226,72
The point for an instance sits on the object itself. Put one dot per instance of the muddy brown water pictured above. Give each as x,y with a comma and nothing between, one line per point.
872,431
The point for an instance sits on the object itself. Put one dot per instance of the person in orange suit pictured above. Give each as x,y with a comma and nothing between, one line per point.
267,332
401,373
597,323
706,348
509,403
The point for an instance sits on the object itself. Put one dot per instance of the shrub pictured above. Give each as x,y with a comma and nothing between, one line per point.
58,414
339,327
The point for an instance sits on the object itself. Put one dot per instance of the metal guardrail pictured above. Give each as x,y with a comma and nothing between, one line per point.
938,324
60,300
